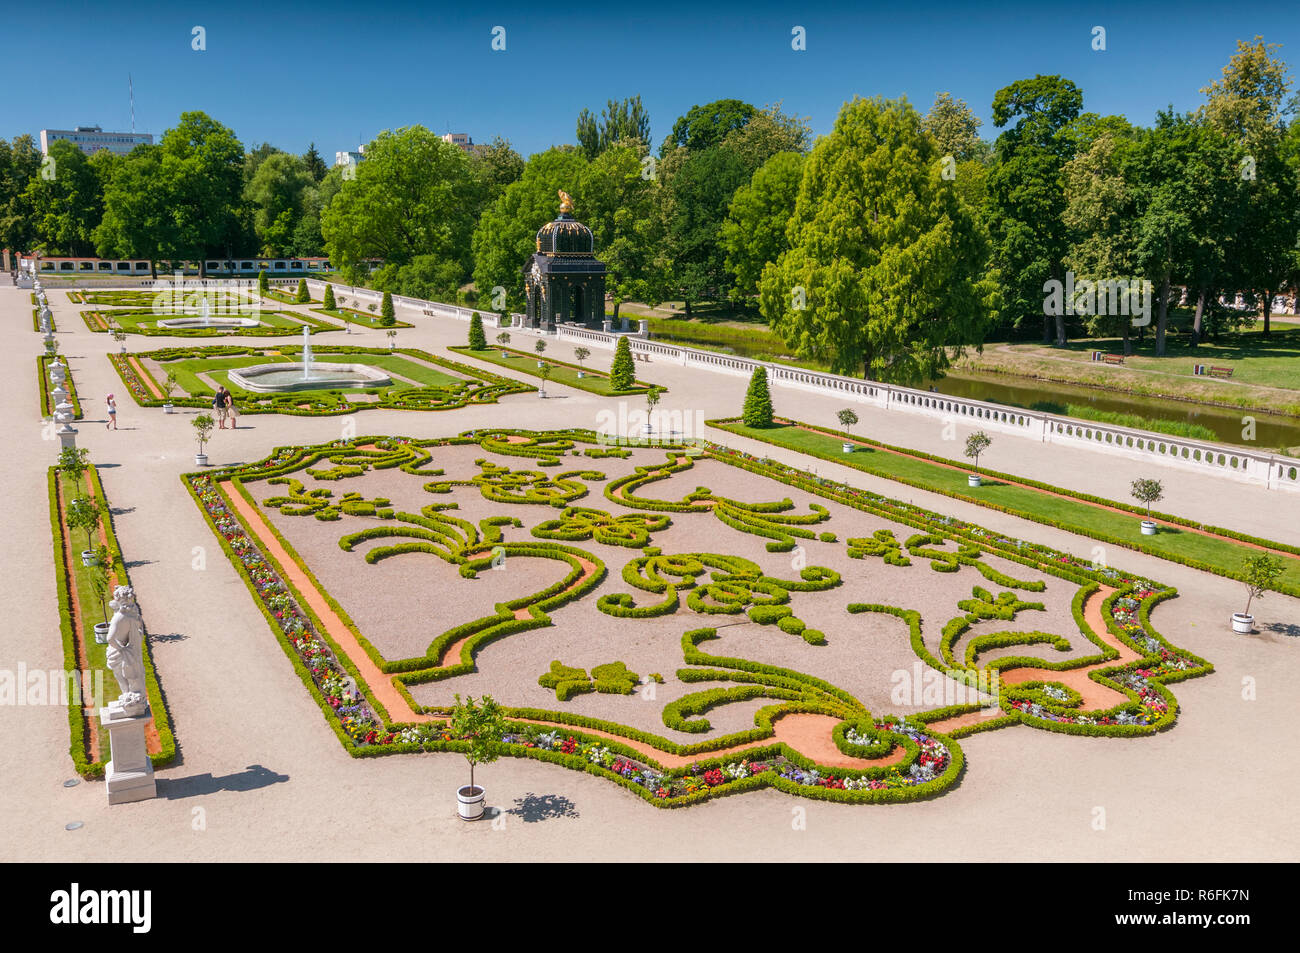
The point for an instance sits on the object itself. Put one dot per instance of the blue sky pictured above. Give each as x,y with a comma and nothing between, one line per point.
334,72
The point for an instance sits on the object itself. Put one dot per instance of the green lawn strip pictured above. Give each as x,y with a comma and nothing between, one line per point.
274,324
360,318
95,660
1221,556
597,382
47,402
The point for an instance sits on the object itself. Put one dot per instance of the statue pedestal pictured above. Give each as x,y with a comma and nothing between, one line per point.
67,438
129,776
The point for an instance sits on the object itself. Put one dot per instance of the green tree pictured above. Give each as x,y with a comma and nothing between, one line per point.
302,297
1026,195
707,125
137,221
327,300
413,195
477,339
20,162
620,121
1147,491
976,444
201,179
758,401
506,234
84,515
768,133
622,372
954,126
387,316
618,206
884,273
316,166
263,283
277,191
480,727
1259,571
754,232
497,165
66,208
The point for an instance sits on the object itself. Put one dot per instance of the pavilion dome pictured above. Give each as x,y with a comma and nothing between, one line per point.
565,236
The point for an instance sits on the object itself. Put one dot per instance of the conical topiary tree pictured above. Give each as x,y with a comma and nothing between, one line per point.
477,339
388,315
262,283
328,299
302,297
622,373
758,401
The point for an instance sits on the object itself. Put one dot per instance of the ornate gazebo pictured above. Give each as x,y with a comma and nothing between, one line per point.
564,281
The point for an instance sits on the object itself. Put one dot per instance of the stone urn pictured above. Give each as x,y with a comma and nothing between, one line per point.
972,479
1243,623
1149,527
470,802
101,633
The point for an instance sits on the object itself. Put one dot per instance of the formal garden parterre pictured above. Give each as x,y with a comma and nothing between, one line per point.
421,381
786,616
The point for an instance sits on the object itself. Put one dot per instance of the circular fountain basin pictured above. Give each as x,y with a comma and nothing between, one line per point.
273,378
218,323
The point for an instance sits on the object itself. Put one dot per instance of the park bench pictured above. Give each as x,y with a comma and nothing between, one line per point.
1112,358
1203,370
1221,372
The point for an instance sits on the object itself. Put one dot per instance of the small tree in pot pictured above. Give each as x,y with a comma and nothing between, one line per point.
481,726
1259,571
83,515
580,354
74,461
545,370
976,444
848,419
1147,491
105,564
539,347
203,425
503,339
652,398
169,385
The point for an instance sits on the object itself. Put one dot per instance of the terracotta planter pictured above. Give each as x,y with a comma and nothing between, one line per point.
1149,527
101,633
1242,623
470,803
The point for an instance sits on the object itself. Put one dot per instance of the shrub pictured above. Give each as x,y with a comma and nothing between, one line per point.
477,339
302,297
622,373
262,283
758,401
328,299
203,425
388,317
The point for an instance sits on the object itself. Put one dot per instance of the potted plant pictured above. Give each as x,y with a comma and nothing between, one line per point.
1147,491
481,726
847,420
976,444
580,354
392,338
503,339
99,583
539,347
1259,570
545,370
169,386
652,397
203,425
120,337
83,515
74,461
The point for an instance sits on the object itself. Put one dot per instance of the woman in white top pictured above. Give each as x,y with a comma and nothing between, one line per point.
112,412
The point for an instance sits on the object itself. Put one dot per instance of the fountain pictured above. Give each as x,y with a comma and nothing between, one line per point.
306,374
206,321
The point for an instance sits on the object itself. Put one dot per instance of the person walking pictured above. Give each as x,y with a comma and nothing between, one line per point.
233,410
111,404
220,407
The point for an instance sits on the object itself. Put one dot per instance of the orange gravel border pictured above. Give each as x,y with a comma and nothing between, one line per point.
145,377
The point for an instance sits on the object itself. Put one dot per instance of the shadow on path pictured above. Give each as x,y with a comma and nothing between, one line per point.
532,808
250,779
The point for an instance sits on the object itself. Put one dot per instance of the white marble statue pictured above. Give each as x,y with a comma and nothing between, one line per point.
126,652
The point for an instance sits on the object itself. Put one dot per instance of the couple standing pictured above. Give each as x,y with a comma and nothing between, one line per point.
224,404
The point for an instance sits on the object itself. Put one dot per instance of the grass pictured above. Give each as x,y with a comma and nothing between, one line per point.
1266,371
1073,514
361,318
274,323
596,382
